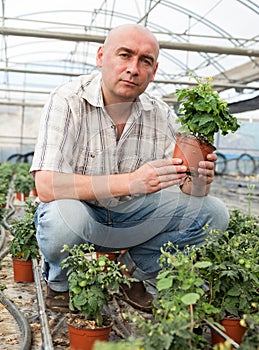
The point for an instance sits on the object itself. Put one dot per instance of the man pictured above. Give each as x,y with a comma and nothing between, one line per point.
105,174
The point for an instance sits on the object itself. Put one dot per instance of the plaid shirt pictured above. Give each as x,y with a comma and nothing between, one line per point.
76,134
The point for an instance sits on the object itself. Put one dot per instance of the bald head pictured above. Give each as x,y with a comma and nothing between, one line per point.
132,28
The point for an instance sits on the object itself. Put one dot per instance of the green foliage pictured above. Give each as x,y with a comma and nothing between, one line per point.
21,168
90,280
204,112
173,334
5,178
234,271
24,183
2,206
216,280
2,287
125,344
24,244
242,223
251,337
6,171
180,305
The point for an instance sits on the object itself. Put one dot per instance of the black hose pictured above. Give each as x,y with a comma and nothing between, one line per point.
20,319
10,205
45,332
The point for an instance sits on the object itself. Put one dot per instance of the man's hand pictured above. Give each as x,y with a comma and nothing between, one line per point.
199,185
206,168
157,175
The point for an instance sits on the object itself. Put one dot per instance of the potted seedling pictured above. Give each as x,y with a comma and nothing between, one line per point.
6,171
233,275
202,114
2,206
179,306
23,184
90,280
6,174
24,246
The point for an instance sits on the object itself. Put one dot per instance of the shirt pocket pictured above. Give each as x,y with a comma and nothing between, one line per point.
94,162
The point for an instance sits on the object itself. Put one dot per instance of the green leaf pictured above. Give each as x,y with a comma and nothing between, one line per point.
165,283
205,119
235,291
190,298
202,264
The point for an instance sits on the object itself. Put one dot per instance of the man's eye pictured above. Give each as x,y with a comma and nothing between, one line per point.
124,55
147,62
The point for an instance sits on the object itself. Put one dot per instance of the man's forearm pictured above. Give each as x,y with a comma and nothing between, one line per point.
53,185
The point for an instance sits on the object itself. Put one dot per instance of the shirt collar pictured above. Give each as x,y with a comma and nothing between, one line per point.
92,91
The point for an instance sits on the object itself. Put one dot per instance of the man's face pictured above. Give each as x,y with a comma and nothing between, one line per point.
129,63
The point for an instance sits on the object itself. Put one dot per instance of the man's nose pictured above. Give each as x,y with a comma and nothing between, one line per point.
133,66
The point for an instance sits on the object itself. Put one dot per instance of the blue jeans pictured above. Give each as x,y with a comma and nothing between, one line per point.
141,226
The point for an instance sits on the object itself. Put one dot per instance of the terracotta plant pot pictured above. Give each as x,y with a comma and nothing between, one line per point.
191,151
34,192
21,196
84,338
22,270
232,328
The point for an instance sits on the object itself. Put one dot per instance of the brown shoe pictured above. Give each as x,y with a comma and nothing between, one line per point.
57,301
137,296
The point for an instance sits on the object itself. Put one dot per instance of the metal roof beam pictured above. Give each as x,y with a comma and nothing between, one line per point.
239,51
157,81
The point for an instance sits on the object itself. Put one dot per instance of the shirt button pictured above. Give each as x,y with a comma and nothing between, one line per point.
113,126
92,155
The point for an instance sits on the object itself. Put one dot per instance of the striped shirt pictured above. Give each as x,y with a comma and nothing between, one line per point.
76,135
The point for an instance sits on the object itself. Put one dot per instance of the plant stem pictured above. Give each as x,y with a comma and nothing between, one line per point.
192,322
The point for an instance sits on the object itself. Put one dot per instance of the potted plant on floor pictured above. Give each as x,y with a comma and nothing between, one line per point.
23,184
179,307
233,275
90,280
24,245
3,197
202,114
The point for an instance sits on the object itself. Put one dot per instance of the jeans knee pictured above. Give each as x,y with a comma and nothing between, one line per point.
219,214
57,225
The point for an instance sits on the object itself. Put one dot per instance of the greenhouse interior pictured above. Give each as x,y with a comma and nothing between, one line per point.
45,45
50,44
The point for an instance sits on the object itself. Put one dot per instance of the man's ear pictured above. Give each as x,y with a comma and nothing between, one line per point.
99,57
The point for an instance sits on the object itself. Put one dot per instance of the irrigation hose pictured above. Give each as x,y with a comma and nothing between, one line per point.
45,332
21,320
9,204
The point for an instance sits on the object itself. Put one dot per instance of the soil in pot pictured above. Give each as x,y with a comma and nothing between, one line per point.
191,151
111,255
83,336
23,271
232,328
